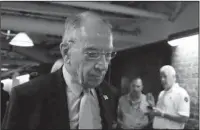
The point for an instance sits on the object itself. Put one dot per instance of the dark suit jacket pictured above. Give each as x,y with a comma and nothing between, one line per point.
4,99
42,103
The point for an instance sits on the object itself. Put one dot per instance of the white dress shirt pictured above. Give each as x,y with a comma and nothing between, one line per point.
73,92
176,102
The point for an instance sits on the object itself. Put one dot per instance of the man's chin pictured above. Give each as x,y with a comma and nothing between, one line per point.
166,87
93,84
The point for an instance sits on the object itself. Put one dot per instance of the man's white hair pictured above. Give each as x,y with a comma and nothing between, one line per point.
168,68
73,24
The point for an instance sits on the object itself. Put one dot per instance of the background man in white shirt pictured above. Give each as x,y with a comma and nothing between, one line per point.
173,107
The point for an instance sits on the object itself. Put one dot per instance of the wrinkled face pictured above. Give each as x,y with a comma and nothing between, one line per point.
167,79
136,86
90,56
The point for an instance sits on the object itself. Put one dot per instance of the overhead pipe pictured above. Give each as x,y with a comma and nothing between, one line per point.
19,62
115,9
177,11
50,9
27,24
35,53
9,72
42,26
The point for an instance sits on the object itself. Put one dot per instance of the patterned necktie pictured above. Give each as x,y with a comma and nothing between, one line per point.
87,114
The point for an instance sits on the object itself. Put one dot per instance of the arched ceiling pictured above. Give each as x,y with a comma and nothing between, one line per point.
135,23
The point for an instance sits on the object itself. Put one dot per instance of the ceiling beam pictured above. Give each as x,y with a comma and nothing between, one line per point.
19,62
28,24
34,53
46,9
4,45
177,11
38,54
42,26
51,9
151,30
9,72
115,9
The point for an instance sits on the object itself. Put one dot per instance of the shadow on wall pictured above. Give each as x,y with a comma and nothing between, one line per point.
185,61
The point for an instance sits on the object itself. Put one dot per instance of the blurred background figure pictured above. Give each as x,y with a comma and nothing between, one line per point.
57,65
172,110
15,81
125,83
4,101
133,108
33,75
150,100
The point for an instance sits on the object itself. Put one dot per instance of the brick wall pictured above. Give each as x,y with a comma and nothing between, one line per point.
146,62
185,61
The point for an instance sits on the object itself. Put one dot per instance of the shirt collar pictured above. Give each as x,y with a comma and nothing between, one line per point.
73,86
174,86
131,101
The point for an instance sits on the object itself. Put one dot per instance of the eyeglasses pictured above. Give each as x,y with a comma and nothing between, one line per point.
95,55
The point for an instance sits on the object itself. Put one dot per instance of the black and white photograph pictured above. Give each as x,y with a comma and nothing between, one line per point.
99,65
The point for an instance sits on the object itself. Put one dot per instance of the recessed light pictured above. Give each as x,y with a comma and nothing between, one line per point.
4,69
183,40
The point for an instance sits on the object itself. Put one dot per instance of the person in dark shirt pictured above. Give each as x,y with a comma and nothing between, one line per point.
125,84
4,100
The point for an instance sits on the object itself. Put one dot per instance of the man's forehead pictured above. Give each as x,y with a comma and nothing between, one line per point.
95,43
91,29
94,47
96,39
95,34
137,81
166,73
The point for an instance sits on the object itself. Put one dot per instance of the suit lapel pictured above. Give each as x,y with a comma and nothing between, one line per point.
56,106
105,109
63,98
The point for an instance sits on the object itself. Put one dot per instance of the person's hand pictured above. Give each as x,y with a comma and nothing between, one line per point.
123,126
156,112
150,99
114,125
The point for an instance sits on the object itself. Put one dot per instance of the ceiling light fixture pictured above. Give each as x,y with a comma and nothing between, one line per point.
4,69
22,40
188,39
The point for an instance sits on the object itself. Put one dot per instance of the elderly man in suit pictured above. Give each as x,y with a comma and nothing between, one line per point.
74,97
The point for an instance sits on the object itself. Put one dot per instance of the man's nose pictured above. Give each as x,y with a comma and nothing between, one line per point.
102,64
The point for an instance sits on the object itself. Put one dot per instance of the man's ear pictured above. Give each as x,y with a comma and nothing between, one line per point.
64,48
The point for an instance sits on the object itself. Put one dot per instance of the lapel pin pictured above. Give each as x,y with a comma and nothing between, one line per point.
105,97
